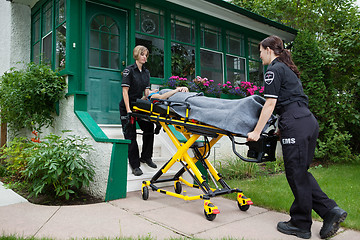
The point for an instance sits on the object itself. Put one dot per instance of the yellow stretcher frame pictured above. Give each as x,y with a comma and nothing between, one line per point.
192,130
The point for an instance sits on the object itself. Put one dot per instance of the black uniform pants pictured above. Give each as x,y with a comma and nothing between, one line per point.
148,139
299,131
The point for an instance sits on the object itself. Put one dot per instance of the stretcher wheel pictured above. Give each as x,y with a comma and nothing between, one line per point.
210,216
145,193
243,207
178,187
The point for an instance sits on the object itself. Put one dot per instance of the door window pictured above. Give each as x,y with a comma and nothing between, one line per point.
104,43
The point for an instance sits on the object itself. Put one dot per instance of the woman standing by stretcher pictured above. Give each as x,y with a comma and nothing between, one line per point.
135,84
298,134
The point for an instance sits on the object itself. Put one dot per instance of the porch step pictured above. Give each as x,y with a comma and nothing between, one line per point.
113,131
162,147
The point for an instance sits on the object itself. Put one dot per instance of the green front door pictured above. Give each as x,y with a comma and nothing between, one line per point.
105,60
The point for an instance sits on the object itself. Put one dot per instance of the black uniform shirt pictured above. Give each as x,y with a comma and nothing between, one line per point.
136,81
282,83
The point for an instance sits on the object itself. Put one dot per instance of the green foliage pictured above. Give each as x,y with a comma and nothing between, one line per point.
15,157
237,169
3,171
57,165
334,147
343,69
316,16
325,102
275,166
28,96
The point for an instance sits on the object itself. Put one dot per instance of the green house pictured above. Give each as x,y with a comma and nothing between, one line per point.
91,42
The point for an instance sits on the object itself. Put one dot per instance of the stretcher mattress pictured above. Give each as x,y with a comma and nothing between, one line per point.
237,116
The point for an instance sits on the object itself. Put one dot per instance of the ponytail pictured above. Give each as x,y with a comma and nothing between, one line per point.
276,44
285,57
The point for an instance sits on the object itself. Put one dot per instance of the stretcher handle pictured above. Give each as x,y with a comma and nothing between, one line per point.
232,138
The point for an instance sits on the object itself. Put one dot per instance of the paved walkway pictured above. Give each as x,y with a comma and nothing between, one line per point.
160,217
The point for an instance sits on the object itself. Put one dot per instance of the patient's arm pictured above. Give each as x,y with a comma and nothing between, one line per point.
170,93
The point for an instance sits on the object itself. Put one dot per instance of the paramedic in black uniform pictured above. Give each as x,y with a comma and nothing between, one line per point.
298,130
135,84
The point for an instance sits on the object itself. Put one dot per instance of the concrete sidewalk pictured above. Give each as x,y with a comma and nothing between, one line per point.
160,217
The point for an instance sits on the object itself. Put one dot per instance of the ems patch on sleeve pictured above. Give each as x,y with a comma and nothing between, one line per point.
269,77
126,72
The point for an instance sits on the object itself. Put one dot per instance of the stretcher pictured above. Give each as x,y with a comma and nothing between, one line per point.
160,112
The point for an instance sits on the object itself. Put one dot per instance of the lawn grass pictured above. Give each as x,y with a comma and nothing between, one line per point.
339,182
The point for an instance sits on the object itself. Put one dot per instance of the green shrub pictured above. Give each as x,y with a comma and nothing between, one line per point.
57,165
28,97
3,171
15,157
275,166
237,169
325,101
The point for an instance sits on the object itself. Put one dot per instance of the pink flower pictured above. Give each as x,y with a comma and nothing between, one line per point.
174,77
251,91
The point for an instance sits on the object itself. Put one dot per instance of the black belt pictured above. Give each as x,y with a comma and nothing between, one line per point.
296,104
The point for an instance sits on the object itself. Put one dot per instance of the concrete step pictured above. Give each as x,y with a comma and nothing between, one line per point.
163,146
112,131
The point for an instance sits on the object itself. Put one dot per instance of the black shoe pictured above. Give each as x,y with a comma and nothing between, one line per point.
288,228
137,171
149,162
332,222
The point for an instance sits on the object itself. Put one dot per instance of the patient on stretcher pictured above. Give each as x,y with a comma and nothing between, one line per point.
166,94
237,116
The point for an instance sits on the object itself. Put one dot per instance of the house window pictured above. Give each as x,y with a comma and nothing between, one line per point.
49,34
182,47
236,69
235,43
104,43
210,53
150,33
256,70
210,37
212,65
235,58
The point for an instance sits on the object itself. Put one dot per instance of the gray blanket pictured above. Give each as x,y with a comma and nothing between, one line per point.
236,116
